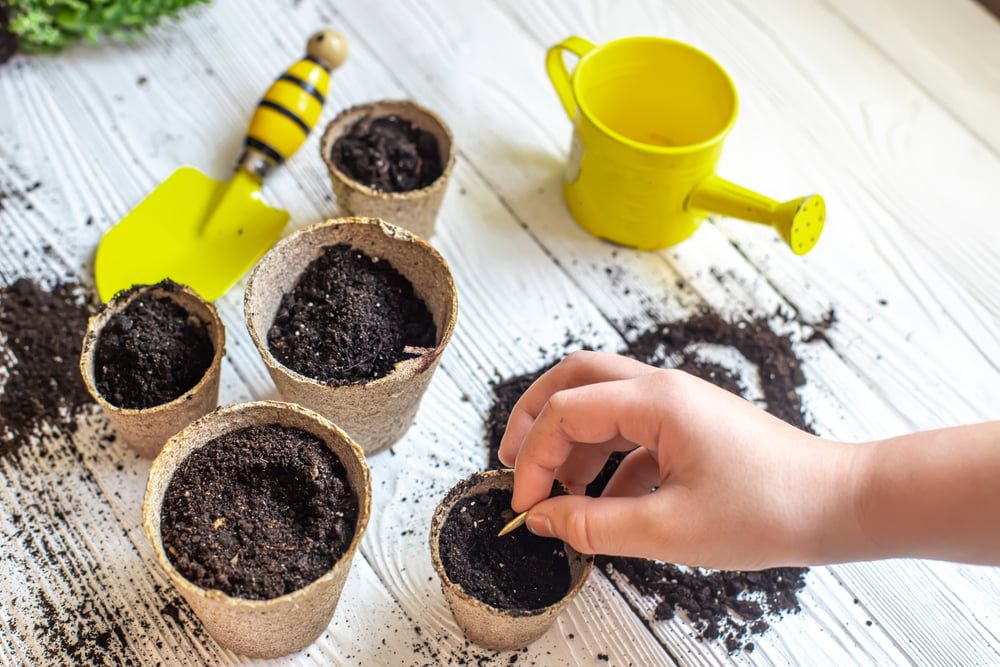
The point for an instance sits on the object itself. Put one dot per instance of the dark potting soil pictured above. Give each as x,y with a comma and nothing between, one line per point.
258,512
389,154
729,606
519,571
779,369
151,352
42,333
349,319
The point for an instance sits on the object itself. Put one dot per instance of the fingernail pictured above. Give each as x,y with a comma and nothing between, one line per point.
540,525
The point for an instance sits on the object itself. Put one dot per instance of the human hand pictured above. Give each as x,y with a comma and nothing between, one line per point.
735,488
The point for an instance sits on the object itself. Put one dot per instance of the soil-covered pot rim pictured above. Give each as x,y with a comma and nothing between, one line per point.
462,489
155,536
97,322
336,127
423,362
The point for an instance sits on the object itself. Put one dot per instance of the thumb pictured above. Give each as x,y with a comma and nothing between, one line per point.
610,526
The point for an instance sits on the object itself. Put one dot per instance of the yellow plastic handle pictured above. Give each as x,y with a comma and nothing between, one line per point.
559,73
292,105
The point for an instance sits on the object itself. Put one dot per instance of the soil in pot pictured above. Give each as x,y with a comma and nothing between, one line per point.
258,512
350,319
389,154
518,572
151,352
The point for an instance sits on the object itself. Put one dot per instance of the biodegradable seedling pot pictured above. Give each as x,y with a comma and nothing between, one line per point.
415,210
281,625
484,624
146,429
377,413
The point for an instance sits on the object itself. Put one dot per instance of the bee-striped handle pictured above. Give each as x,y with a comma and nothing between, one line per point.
292,105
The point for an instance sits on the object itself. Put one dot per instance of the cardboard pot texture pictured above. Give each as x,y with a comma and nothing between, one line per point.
145,430
377,413
415,210
488,626
281,625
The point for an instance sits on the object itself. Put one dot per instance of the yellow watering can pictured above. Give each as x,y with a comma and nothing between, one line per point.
205,233
650,116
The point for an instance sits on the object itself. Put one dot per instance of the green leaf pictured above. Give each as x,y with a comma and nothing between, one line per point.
45,25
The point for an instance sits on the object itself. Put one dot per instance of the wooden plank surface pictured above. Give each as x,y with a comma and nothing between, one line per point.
947,49
99,127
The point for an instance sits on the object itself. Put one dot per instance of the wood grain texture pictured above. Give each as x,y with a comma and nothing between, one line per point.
98,139
947,49
498,123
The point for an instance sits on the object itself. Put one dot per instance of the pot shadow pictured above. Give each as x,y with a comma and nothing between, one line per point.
537,190
538,193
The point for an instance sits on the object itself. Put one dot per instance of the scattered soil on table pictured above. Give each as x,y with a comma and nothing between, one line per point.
505,396
389,154
728,606
258,512
779,369
519,571
42,332
151,352
349,319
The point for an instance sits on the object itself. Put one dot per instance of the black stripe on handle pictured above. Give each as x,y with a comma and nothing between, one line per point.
290,115
264,148
304,85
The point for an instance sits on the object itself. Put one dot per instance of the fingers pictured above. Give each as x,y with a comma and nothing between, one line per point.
637,475
578,369
611,526
581,417
584,463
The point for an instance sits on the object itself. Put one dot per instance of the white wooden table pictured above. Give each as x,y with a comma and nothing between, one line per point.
888,108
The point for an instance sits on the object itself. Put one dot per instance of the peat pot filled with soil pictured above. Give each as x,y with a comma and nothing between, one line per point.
351,317
151,359
392,160
255,512
504,592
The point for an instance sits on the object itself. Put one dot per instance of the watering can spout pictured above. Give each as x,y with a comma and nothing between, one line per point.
798,221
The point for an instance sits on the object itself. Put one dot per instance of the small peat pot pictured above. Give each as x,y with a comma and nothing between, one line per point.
151,359
255,513
392,160
504,592
351,317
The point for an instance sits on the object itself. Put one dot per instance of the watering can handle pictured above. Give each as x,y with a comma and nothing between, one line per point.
559,73
291,106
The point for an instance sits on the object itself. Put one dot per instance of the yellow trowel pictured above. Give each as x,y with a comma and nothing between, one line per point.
206,233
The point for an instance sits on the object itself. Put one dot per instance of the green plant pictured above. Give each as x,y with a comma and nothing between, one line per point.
48,25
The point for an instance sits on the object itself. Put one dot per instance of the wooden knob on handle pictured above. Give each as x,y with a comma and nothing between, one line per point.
329,47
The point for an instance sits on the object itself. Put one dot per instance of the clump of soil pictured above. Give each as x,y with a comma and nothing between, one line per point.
151,352
389,154
350,319
728,606
731,606
258,512
42,333
519,571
